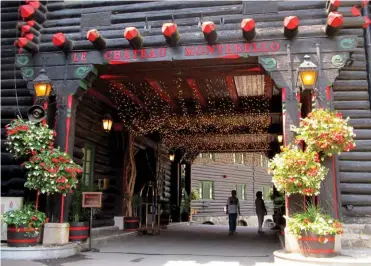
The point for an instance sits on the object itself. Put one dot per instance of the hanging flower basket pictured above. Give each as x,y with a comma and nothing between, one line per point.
326,132
52,171
26,138
296,171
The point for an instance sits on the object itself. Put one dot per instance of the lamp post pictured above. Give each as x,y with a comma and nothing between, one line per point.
41,86
107,123
307,74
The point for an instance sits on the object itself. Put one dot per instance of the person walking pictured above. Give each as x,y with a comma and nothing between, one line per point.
260,210
233,208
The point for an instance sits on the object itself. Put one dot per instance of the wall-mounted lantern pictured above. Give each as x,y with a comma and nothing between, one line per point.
280,138
107,123
42,84
171,156
307,74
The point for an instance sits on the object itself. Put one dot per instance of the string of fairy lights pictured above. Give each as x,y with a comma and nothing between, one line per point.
188,125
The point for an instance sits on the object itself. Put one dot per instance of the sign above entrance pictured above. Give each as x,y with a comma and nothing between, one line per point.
226,50
191,52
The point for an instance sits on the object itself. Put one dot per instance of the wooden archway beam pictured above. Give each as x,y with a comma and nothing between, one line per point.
160,91
104,99
232,90
128,93
193,85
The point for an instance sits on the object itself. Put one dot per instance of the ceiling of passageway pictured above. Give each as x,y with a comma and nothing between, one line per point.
228,106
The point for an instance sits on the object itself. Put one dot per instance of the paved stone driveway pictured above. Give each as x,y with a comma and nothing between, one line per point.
183,245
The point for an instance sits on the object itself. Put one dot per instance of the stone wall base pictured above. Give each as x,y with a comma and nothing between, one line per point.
356,236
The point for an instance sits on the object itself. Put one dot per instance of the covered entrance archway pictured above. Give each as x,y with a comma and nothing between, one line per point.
168,92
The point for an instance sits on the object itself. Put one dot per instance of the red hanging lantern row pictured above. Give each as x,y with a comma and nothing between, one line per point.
171,33
60,40
28,29
96,39
134,37
26,44
37,5
248,28
28,12
209,30
334,22
291,26
367,22
333,5
356,11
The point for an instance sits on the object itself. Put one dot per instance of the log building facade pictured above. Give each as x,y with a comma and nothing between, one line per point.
97,71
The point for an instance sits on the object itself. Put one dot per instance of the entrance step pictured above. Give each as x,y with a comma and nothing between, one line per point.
345,258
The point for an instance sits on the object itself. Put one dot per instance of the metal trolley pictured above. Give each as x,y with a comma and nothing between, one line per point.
150,223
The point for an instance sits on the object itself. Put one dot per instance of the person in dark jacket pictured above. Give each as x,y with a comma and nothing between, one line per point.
260,209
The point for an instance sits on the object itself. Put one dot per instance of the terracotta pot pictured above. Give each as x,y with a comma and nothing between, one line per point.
21,236
312,245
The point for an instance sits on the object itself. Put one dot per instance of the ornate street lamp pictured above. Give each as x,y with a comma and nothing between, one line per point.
107,123
307,74
42,85
280,138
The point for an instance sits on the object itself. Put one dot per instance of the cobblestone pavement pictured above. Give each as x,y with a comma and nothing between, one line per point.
188,245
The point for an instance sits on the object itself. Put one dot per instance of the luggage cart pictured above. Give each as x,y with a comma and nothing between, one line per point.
150,206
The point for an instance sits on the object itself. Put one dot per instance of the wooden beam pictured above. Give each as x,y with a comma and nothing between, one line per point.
101,97
193,85
128,93
232,89
160,91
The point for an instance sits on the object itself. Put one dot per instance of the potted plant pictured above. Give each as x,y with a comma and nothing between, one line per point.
185,206
24,226
325,132
297,171
131,222
79,225
165,214
315,232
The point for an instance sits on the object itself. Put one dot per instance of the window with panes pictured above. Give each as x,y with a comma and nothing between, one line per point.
241,191
88,164
206,190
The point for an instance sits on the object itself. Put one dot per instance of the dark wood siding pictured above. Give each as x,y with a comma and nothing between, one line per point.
225,177
108,154
351,97
15,99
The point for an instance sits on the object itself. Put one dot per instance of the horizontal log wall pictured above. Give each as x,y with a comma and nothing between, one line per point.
254,177
351,97
77,17
88,130
15,100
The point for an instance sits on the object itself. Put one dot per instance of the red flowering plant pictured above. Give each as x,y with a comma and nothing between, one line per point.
25,137
296,171
52,171
325,132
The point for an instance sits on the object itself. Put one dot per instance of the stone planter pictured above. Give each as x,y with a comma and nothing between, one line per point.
21,236
56,234
312,245
79,231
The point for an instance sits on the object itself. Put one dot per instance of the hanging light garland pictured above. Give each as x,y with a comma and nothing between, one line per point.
194,129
